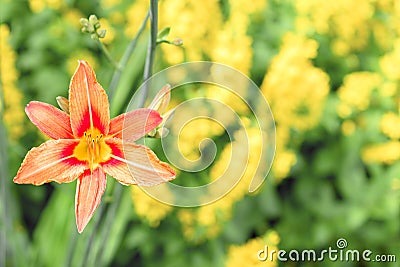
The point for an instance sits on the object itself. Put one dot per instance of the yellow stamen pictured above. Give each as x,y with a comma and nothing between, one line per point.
92,148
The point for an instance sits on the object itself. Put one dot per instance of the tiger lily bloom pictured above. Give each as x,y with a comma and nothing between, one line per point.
87,145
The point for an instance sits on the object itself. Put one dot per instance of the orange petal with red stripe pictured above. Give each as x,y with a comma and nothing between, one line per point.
50,120
135,124
88,102
89,190
136,164
51,161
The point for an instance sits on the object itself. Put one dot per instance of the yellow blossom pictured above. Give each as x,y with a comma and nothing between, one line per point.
348,127
72,16
77,55
283,162
387,152
13,115
109,3
390,125
135,15
211,217
389,62
356,89
284,158
247,254
110,33
148,208
295,89
38,5
197,24
388,89
346,21
296,92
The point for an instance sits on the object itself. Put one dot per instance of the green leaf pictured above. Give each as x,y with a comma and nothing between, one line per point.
163,34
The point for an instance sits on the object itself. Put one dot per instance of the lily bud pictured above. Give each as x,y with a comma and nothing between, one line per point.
161,100
63,103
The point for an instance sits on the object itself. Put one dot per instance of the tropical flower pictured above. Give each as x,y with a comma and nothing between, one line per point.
87,145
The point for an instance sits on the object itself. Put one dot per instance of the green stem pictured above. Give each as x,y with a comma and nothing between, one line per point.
108,55
125,58
94,232
113,85
110,210
148,67
3,176
147,73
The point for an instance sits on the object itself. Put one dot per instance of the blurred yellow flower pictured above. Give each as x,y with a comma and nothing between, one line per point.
135,15
72,16
356,89
247,254
295,89
78,55
346,21
389,62
210,218
148,208
348,127
390,125
110,33
388,89
13,110
384,153
284,158
109,3
296,92
197,24
38,5
283,162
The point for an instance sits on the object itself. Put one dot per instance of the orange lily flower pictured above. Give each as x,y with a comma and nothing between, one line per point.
88,145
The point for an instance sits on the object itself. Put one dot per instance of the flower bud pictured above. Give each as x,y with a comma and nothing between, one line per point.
101,33
63,103
177,41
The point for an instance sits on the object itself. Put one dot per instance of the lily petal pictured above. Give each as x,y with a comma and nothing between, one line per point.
134,124
50,120
136,164
88,102
51,161
161,100
89,190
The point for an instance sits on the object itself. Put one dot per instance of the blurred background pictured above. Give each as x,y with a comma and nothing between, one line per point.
329,71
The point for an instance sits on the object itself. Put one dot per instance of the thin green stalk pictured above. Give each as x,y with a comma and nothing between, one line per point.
3,176
71,247
113,85
148,67
93,234
110,210
147,73
108,55
125,58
